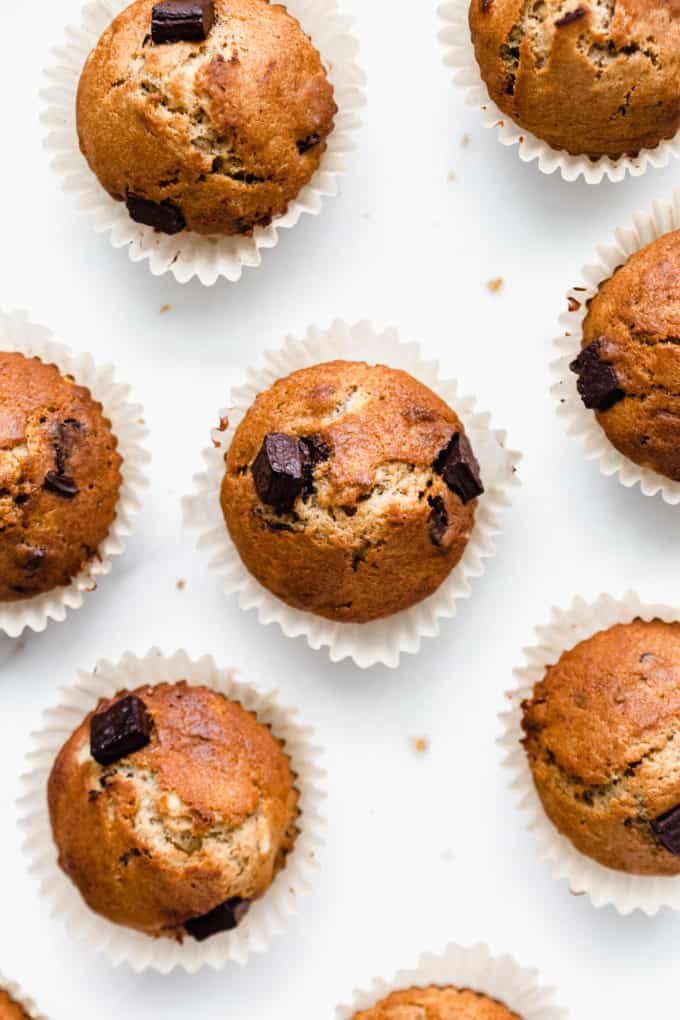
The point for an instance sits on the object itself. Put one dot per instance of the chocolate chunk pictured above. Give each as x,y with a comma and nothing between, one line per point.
438,521
666,828
64,438
182,20
458,466
305,144
166,217
278,471
597,382
122,728
570,17
93,796
226,917
313,451
61,484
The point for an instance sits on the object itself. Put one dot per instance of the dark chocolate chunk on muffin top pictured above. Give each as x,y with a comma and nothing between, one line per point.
59,477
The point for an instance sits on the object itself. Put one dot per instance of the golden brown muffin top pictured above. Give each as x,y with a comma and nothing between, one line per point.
9,1009
229,130
435,1003
59,477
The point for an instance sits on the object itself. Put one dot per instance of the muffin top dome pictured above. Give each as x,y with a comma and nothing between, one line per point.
172,809
350,490
435,1003
59,477
601,735
594,77
217,134
629,366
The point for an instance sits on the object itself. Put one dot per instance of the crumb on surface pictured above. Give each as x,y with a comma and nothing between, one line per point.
141,421
165,308
495,284
181,584
420,744
465,141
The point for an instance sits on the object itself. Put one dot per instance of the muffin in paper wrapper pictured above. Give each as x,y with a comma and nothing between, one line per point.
18,333
604,886
267,916
187,255
662,218
473,967
381,641
460,57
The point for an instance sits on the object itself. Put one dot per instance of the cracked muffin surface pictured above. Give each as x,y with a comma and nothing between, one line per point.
364,524
437,1003
631,334
225,132
593,77
59,477
200,817
602,739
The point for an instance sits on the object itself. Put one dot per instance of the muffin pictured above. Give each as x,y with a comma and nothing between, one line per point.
59,477
10,1009
601,735
593,77
435,1003
350,490
629,365
205,116
172,809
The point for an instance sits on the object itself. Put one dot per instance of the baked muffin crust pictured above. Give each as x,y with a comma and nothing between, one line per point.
59,477
204,814
227,131
634,321
434,1003
376,528
593,77
601,735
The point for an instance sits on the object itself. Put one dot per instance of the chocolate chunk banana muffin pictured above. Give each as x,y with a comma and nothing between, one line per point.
602,733
629,366
435,1003
172,809
594,77
204,115
10,1009
59,477
350,490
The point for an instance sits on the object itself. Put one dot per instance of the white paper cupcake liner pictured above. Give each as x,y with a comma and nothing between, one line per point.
472,967
582,423
382,641
267,916
188,254
460,56
17,995
18,333
604,886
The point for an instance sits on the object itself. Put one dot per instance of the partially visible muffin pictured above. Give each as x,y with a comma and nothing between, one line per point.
602,738
629,365
59,477
350,490
10,1009
172,809
209,116
593,77
435,1003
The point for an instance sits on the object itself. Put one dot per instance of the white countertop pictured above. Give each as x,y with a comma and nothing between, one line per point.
421,849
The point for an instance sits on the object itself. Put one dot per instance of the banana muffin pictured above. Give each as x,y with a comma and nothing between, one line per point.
435,1003
59,477
172,808
10,1009
350,490
601,735
209,116
594,77
629,365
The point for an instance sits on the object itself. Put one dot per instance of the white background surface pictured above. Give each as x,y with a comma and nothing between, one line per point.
420,849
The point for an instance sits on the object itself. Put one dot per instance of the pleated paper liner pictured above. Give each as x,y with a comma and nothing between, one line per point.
187,255
267,916
582,423
382,641
474,968
460,57
18,333
604,886
18,996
